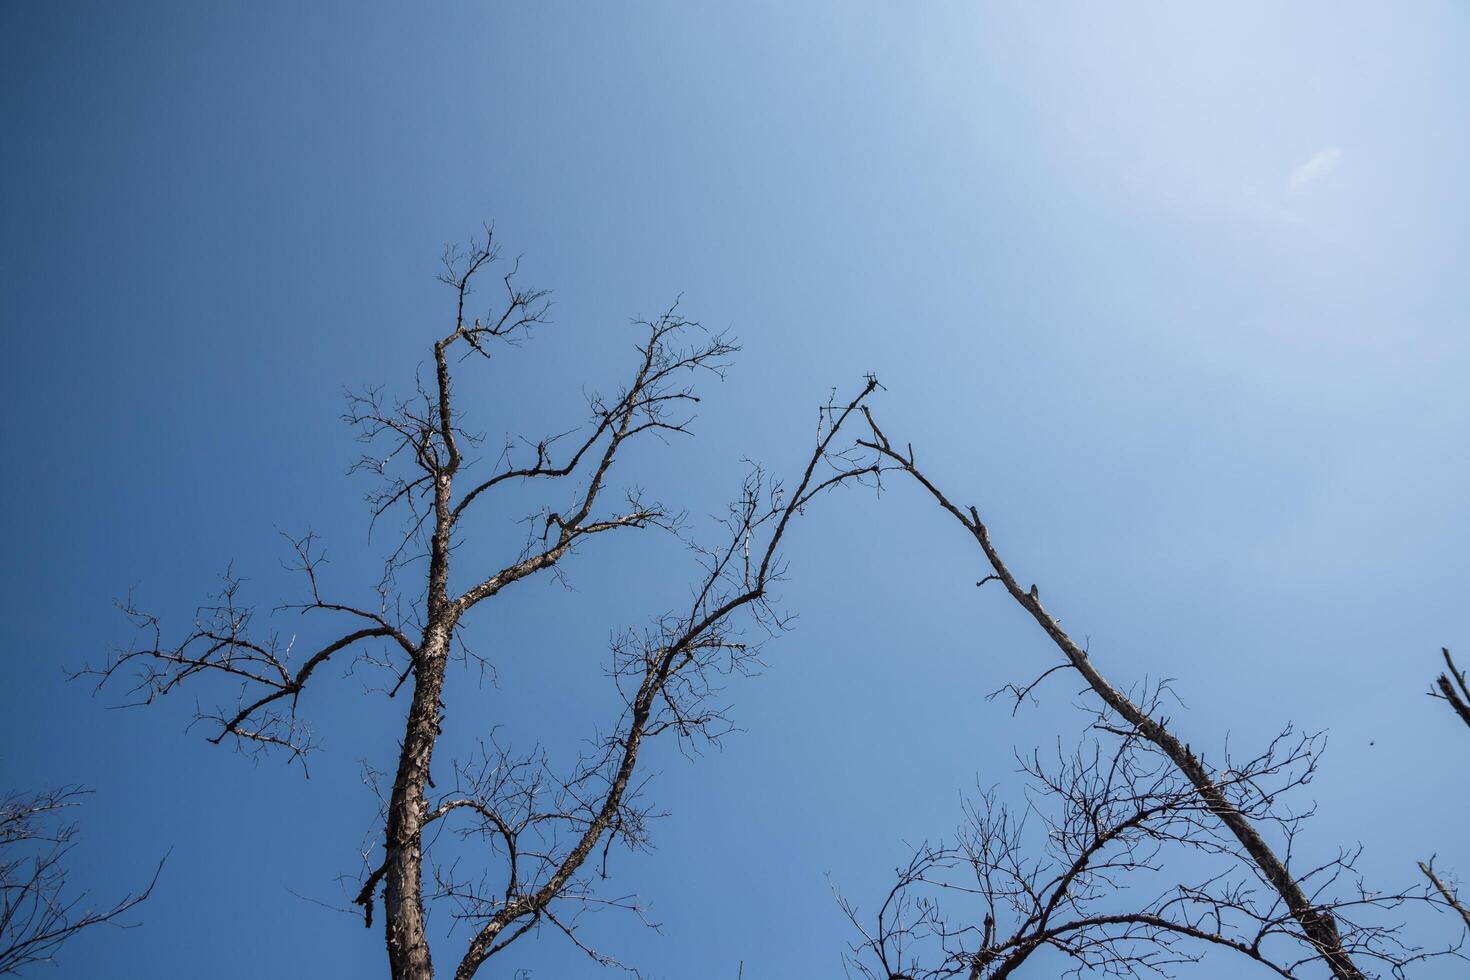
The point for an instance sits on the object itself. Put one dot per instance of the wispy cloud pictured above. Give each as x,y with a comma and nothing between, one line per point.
1322,163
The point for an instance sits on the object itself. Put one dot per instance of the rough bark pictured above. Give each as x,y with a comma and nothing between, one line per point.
408,945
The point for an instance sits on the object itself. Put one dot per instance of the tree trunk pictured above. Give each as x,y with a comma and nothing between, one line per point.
408,946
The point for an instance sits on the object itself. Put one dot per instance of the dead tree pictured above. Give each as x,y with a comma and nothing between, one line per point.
1116,866
539,828
38,911
1319,928
1451,687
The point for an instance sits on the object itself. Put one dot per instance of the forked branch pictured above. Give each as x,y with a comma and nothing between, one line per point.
665,677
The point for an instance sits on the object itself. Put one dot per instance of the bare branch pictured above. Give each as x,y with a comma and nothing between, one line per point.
221,645
1450,895
1319,928
1453,688
39,912
668,673
1084,871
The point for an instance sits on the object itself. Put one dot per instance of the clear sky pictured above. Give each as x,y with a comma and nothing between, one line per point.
1177,298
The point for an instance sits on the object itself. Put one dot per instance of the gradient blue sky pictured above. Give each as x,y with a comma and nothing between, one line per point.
1176,297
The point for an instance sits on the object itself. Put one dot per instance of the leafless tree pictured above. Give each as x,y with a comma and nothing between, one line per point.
1451,686
39,912
1092,867
541,830
1319,926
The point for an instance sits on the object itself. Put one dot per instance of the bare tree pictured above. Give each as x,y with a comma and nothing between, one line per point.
539,828
1319,927
1092,867
39,912
1452,687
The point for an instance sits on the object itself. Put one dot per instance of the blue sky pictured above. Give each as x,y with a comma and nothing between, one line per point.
1175,297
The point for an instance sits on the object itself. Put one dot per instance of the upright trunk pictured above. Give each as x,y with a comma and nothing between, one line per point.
408,946
403,891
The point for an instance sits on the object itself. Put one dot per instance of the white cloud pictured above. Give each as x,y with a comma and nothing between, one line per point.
1322,163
